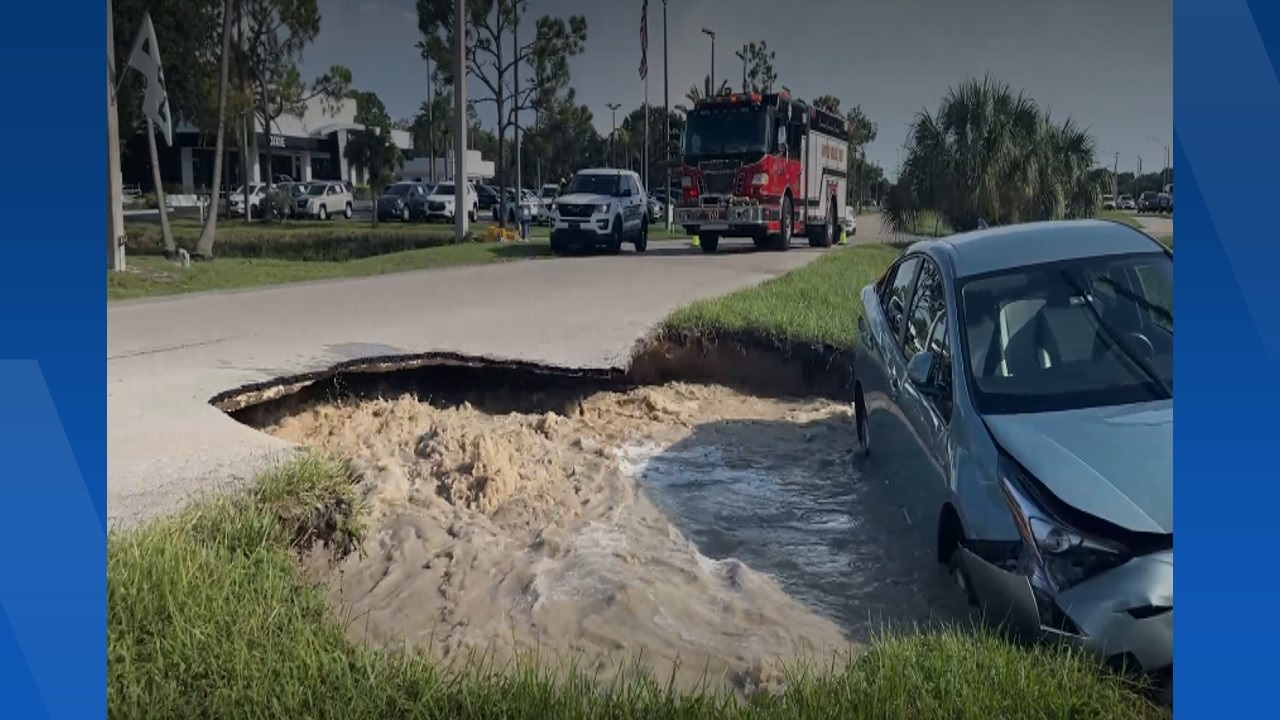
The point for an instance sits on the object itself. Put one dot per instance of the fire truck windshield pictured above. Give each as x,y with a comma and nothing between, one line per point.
727,132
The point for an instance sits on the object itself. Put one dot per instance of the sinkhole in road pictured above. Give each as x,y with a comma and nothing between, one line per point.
589,515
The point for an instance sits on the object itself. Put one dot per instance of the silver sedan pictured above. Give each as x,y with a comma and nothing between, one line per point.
1031,367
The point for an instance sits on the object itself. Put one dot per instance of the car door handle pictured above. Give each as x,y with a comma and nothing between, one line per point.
895,386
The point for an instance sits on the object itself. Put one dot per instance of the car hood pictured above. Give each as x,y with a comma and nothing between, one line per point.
442,198
584,199
1115,463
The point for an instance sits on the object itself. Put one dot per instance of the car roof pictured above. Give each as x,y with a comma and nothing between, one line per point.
607,171
1011,246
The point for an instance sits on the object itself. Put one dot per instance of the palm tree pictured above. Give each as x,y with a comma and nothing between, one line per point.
373,153
990,154
204,246
695,94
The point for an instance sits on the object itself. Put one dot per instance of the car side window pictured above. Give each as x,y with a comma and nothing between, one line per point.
897,288
927,332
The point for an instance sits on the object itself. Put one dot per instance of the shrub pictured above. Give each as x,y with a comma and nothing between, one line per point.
306,242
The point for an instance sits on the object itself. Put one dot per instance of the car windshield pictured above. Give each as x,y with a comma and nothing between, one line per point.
317,189
594,184
397,189
549,191
443,189
727,132
298,189
1069,335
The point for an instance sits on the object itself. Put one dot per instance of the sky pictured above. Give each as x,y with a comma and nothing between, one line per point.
1107,64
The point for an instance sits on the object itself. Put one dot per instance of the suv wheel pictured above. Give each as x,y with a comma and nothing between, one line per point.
404,214
323,213
346,212
614,246
642,240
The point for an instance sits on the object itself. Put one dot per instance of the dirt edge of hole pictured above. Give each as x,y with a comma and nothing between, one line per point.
745,361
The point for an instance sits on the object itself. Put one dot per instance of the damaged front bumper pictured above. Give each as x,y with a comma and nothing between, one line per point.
1124,615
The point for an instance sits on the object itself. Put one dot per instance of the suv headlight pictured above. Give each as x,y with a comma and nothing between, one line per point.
1055,556
602,208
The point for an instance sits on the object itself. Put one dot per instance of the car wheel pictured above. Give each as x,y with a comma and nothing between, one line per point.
558,246
614,246
960,576
709,243
404,214
642,241
471,215
346,212
860,422
323,213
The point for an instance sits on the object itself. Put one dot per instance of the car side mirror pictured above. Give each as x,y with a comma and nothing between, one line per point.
920,372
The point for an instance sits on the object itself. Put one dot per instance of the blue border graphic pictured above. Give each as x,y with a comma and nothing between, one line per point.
1226,488
53,350
53,364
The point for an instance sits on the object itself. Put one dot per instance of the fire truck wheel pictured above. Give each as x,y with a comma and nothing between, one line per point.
709,242
825,235
782,240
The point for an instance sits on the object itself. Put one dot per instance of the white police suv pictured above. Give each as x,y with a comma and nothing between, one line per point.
600,207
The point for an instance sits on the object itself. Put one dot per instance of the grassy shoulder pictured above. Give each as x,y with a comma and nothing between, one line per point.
149,276
209,616
818,304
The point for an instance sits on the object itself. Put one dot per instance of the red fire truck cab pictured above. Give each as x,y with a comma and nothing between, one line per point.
765,167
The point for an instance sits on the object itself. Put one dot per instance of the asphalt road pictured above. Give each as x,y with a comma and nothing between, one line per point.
167,357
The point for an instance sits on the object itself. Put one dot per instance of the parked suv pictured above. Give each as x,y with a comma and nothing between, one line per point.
1148,202
404,200
257,193
440,202
323,200
601,208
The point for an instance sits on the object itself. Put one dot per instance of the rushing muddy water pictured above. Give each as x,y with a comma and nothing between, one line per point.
709,531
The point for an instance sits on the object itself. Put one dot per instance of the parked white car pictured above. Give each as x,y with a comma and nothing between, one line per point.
850,222
257,193
440,203
323,200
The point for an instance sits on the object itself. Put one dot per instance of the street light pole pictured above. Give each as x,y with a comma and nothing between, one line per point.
460,207
613,107
666,107
743,57
711,86
431,123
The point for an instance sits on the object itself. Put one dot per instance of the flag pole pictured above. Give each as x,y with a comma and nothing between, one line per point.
115,184
645,151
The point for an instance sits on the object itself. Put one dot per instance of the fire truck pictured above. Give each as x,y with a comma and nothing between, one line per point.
765,167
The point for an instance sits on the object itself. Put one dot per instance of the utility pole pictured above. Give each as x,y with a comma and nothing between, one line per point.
666,107
711,86
613,107
115,187
1137,176
743,57
1115,177
460,207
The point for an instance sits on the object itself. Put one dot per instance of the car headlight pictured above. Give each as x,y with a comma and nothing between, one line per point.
602,208
1055,556
760,179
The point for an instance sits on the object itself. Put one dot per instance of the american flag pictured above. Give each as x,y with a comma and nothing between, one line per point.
644,40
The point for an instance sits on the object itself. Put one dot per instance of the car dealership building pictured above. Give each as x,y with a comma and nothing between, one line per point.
310,147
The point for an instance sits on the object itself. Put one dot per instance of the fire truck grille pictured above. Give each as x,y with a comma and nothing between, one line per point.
718,183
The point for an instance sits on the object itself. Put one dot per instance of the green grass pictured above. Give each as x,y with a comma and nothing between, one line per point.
817,304
150,276
209,616
1121,217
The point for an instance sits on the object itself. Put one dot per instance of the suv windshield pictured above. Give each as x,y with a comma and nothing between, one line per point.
1061,336
594,184
397,189
317,189
727,132
443,189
